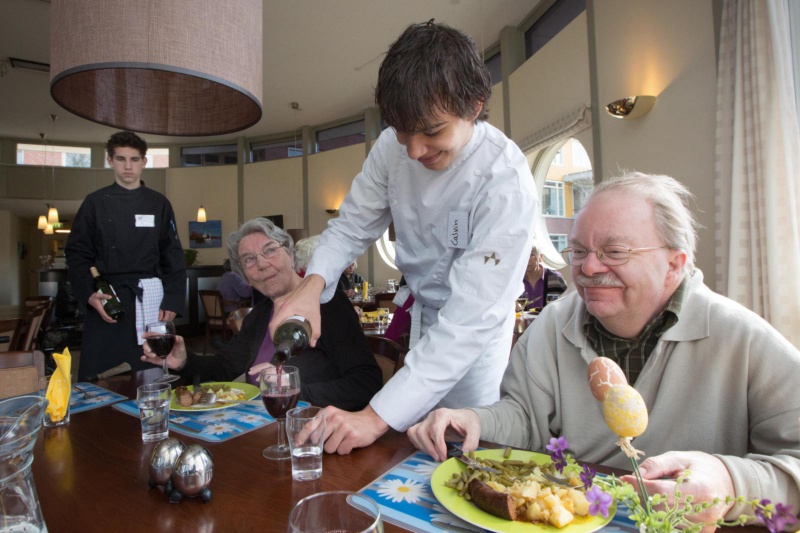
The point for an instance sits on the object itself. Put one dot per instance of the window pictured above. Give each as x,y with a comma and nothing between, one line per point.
386,250
495,67
156,158
198,156
553,21
270,151
558,159
54,156
341,136
559,241
553,198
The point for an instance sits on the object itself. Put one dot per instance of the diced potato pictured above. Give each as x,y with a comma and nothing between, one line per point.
551,501
560,517
581,503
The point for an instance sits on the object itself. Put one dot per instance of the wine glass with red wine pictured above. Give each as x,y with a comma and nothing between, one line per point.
161,338
280,389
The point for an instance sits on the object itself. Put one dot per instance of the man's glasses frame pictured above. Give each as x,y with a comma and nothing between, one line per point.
611,255
268,252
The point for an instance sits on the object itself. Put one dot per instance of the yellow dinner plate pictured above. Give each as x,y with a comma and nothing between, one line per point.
466,510
250,392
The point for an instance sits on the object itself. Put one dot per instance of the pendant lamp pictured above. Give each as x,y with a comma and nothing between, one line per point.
48,230
201,214
166,67
52,215
42,222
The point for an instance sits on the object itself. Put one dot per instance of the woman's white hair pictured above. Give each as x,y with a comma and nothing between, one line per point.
303,250
675,223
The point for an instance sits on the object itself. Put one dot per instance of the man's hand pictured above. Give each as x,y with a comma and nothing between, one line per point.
708,479
441,425
345,431
303,300
96,301
165,316
176,358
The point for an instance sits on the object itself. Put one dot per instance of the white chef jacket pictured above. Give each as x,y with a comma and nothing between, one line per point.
467,290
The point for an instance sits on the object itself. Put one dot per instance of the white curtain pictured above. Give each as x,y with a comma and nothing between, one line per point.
758,164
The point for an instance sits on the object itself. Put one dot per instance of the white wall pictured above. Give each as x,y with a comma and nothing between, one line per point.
10,264
275,188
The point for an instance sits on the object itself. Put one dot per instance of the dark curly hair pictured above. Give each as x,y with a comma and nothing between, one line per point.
126,139
431,68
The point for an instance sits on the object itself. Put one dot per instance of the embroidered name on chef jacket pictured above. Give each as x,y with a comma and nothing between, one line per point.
145,221
458,229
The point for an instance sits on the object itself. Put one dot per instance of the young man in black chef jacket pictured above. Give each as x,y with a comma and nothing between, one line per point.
128,232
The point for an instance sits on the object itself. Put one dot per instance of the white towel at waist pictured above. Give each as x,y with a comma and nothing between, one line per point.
147,308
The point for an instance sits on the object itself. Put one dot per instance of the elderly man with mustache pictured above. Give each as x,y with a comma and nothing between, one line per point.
719,382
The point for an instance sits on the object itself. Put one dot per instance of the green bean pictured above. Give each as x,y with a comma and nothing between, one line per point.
507,452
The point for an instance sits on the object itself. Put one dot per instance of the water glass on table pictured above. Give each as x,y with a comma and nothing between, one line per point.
305,429
280,390
153,401
161,339
336,511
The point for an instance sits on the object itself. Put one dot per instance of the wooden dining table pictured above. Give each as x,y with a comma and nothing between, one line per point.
92,475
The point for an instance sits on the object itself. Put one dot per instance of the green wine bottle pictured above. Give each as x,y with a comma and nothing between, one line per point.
112,306
291,338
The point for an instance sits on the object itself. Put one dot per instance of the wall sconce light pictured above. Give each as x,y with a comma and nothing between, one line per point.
331,211
631,107
201,214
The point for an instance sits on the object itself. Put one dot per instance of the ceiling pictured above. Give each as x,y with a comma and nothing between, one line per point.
323,54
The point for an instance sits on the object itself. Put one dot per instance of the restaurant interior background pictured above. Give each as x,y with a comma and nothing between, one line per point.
610,50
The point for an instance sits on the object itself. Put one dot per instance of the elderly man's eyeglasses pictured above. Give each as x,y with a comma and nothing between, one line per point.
608,255
268,252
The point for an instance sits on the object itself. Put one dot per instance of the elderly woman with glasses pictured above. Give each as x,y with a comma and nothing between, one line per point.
340,370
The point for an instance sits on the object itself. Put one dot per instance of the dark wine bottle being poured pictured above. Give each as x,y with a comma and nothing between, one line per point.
112,306
291,338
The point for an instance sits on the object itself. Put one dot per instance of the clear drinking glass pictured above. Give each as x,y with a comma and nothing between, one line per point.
305,427
161,339
153,401
280,390
339,510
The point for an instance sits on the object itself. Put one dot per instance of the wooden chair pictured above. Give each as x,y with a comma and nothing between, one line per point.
236,318
215,318
32,302
29,329
21,372
389,355
384,299
9,333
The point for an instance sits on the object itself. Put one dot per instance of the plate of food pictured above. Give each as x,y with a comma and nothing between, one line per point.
229,393
535,504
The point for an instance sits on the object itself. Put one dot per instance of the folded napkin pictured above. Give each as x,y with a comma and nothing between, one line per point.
60,386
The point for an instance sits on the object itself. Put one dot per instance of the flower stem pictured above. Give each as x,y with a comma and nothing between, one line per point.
640,482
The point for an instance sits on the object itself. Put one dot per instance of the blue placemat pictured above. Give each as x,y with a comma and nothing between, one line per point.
213,426
405,497
99,397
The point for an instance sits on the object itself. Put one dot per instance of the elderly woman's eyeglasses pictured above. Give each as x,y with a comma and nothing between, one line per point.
268,252
608,255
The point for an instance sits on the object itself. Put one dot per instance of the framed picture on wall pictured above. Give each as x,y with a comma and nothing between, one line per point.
275,219
205,234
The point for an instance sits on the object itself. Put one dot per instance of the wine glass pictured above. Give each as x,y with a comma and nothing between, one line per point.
336,511
161,338
280,389
522,301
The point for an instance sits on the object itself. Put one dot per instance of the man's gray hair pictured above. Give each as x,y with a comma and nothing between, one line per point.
675,223
257,225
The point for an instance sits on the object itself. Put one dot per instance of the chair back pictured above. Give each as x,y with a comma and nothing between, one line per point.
9,333
212,305
30,328
32,302
384,299
236,318
389,355
21,372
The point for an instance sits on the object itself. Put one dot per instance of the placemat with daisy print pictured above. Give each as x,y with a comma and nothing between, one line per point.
86,396
213,426
406,500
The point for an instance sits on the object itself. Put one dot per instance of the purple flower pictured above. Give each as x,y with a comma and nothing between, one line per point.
599,501
559,461
587,476
777,519
759,512
557,445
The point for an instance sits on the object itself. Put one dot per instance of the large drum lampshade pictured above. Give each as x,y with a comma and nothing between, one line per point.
167,67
